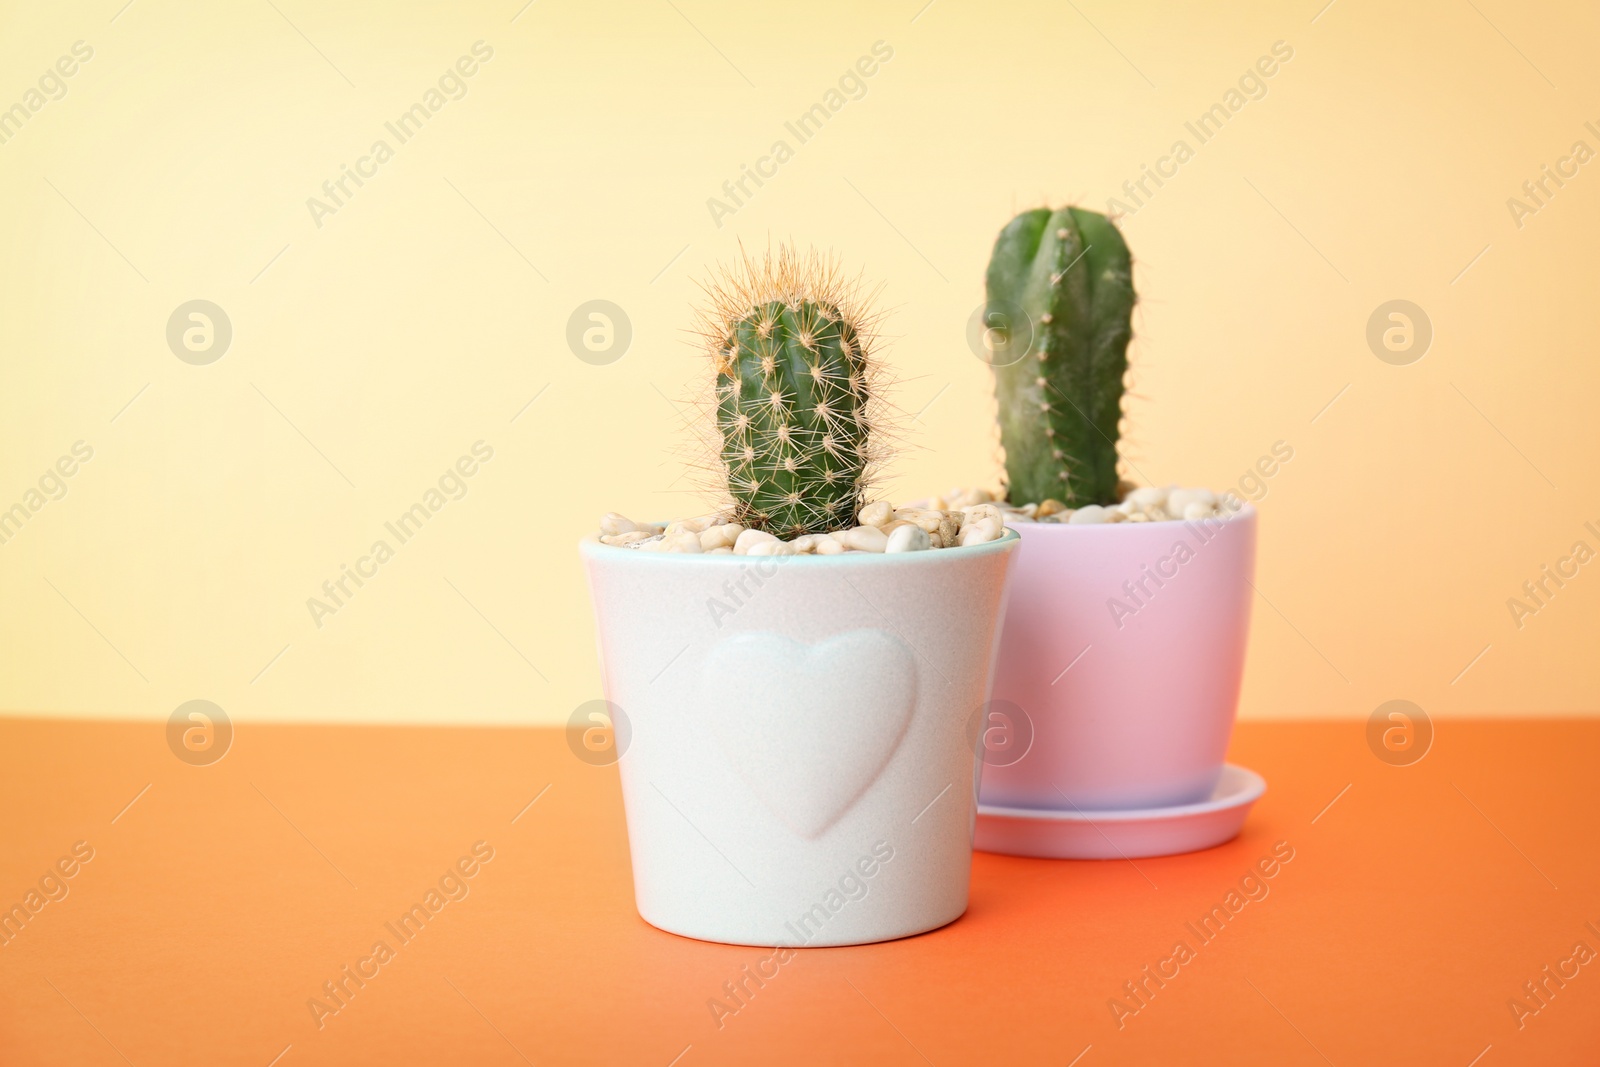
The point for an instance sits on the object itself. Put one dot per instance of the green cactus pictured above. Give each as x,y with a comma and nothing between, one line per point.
794,402
1068,274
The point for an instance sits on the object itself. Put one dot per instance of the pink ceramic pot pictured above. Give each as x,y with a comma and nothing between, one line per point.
1122,652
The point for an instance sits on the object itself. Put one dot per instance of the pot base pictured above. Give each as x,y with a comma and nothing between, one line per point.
1127,834
723,936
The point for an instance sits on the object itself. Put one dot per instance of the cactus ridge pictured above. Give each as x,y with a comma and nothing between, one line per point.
1069,272
796,396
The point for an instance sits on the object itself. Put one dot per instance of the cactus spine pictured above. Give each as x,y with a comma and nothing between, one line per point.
795,401
1069,273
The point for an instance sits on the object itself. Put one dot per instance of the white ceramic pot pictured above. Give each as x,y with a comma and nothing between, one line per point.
798,766
1120,662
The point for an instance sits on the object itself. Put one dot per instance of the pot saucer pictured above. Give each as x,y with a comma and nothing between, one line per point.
1124,834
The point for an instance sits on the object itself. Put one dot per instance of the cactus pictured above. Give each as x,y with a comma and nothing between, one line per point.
1068,275
795,395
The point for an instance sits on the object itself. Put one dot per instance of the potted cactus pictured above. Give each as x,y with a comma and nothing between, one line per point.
797,669
1123,644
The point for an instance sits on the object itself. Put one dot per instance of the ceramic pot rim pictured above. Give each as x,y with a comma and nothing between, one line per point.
590,547
1102,529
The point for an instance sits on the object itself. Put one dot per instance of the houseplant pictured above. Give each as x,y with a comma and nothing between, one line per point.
1123,644
798,668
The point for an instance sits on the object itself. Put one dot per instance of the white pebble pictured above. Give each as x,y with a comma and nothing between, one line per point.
1146,497
612,524
770,548
748,539
625,538
908,538
863,539
685,542
982,531
1090,513
826,545
877,513
724,536
1197,510
1178,500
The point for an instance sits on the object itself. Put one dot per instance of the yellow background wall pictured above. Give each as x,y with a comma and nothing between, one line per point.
372,351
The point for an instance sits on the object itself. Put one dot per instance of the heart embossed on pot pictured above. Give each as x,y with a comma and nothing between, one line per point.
809,727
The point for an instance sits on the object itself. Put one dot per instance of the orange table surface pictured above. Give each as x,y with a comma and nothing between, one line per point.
218,903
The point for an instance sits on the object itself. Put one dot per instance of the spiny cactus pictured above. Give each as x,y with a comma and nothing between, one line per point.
796,408
1069,273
